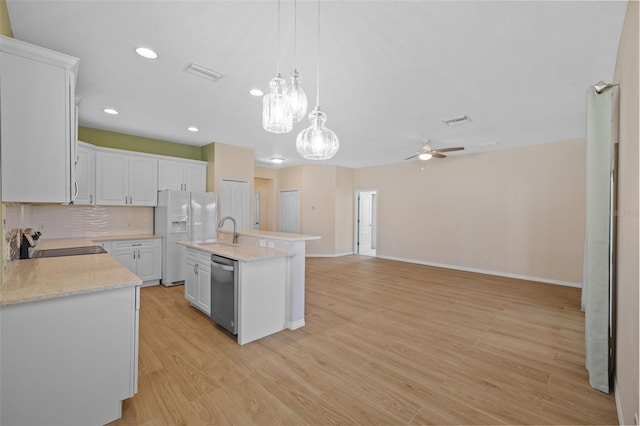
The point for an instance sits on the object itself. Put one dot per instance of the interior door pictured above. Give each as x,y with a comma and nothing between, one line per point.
234,202
365,221
289,211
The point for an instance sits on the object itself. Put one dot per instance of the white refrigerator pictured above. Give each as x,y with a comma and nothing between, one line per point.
183,216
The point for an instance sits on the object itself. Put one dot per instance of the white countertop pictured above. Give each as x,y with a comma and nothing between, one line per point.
29,280
241,252
286,236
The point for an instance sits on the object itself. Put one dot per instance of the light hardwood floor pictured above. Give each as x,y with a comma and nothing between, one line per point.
384,343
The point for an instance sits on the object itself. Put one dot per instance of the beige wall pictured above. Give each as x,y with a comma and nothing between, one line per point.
317,207
517,211
345,201
232,162
628,216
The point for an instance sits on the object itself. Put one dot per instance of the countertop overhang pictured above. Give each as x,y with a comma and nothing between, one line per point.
241,252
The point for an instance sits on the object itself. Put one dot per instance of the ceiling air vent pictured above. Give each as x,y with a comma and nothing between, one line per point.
203,72
456,121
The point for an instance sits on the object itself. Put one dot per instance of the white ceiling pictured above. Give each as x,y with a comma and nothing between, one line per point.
390,70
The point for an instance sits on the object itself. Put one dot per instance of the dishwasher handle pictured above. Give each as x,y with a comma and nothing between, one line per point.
223,263
217,265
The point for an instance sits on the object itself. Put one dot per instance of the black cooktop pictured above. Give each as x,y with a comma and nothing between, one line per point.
70,251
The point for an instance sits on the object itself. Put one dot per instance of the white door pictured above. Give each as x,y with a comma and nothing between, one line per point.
85,175
365,222
289,211
234,202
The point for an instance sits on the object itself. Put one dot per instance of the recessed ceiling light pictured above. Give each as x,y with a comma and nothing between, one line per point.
277,160
145,52
256,92
110,111
192,129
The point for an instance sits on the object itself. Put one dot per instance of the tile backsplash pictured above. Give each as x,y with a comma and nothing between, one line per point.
90,221
56,221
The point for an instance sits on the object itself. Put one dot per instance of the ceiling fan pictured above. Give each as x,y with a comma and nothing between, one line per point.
426,152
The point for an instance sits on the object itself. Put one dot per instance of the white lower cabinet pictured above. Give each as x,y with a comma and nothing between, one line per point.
142,257
69,360
197,283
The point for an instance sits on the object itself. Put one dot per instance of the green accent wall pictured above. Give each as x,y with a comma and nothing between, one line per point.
116,140
5,22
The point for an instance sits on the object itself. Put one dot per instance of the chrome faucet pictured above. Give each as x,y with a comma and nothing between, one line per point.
235,234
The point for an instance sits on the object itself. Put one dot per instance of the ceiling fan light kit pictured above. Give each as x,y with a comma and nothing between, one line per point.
427,153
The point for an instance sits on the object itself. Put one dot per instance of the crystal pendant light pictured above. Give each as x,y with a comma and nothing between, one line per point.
317,142
276,111
297,97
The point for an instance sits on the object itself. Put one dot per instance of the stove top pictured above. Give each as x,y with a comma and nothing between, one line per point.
70,251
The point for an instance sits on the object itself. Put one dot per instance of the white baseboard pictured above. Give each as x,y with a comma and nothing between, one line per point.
616,396
330,255
296,324
484,271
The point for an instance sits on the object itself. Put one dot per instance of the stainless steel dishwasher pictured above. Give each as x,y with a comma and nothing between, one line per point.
224,292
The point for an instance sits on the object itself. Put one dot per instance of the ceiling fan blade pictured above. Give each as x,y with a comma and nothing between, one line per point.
413,156
458,148
436,154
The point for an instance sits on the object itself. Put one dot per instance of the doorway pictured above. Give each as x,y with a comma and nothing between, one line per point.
289,211
366,222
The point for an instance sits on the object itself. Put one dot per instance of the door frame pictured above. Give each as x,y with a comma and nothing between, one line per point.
356,217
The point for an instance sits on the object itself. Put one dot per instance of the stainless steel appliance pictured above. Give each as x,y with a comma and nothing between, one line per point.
224,292
183,216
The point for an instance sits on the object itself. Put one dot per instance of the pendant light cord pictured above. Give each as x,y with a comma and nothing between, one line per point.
278,44
295,29
318,62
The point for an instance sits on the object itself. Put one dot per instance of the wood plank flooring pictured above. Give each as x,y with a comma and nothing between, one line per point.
384,343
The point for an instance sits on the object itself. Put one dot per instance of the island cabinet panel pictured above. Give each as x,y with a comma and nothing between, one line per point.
197,283
262,298
69,360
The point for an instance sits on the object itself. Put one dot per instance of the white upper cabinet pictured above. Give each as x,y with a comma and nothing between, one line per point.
182,175
125,180
143,181
85,174
38,123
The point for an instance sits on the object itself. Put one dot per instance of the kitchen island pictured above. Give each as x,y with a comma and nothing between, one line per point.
68,339
270,279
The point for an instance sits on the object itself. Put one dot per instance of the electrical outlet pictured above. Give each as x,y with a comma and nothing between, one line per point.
271,244
263,243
